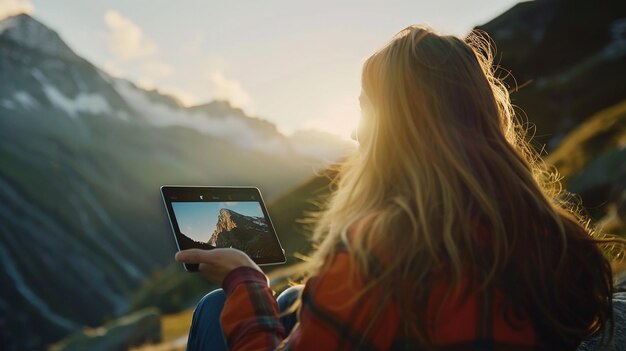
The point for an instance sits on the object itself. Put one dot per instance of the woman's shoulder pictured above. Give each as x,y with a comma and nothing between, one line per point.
333,291
332,300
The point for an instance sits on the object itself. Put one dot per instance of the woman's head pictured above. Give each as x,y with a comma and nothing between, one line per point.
430,99
439,147
444,178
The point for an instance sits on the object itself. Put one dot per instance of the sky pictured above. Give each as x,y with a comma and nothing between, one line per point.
197,220
294,63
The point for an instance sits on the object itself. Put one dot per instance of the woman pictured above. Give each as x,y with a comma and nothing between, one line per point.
444,230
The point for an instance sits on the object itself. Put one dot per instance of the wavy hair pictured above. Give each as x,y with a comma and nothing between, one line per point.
446,181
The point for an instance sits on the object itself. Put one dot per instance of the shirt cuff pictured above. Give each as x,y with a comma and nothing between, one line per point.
240,275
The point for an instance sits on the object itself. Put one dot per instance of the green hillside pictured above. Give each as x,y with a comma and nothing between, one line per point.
600,133
291,213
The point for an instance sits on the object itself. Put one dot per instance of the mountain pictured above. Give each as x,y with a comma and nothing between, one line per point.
246,233
568,58
82,157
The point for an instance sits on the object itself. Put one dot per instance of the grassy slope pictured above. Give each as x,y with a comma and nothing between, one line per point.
292,210
592,161
604,131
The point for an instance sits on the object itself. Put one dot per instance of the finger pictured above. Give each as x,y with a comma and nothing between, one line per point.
192,256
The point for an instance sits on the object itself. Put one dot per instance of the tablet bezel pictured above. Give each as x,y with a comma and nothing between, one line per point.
172,193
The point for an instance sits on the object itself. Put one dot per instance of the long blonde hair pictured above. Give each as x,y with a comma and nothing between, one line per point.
445,159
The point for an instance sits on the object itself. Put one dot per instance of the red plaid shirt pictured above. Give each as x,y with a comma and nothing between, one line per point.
327,321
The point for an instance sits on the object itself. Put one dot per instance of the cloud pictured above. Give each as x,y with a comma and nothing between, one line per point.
235,129
126,39
229,89
150,72
15,7
134,54
156,69
185,97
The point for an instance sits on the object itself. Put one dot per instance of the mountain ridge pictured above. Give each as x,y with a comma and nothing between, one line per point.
129,102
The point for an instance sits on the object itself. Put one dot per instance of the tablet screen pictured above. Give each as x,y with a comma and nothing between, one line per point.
221,217
237,224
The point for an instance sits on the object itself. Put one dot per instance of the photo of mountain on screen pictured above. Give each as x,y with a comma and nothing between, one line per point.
240,225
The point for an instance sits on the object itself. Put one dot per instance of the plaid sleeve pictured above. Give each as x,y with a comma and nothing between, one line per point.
329,317
250,315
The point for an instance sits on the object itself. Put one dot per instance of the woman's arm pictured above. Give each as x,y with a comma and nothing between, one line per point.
250,304
329,318
250,315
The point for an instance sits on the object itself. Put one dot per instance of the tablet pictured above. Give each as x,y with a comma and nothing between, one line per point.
208,217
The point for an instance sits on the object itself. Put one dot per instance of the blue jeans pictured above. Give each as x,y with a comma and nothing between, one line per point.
618,343
206,332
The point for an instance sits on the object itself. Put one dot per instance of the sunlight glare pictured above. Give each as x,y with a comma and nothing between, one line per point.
341,119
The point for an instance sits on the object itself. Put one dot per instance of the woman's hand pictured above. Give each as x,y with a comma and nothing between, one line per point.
217,263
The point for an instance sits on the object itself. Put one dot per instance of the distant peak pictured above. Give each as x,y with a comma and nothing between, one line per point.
225,212
219,108
225,104
230,214
19,16
27,31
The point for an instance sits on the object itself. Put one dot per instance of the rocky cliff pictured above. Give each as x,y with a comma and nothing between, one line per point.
246,233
